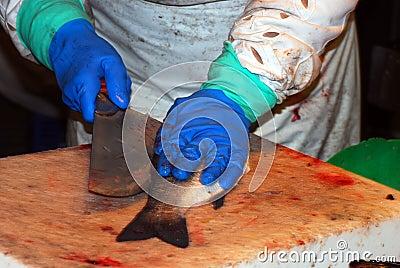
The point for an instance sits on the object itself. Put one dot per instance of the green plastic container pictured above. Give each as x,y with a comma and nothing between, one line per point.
377,159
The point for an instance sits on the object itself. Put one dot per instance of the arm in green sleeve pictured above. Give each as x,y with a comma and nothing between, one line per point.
239,84
39,20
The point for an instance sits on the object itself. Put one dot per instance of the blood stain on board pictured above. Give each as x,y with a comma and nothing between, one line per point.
83,147
106,261
335,179
197,235
249,222
102,261
296,114
358,196
314,162
109,229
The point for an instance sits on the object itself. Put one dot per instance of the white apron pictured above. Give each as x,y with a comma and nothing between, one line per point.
151,37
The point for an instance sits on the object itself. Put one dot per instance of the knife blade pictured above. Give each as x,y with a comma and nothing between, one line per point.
108,172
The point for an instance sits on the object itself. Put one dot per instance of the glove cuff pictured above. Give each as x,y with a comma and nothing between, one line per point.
239,84
39,20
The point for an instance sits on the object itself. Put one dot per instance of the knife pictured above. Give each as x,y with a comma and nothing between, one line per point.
108,172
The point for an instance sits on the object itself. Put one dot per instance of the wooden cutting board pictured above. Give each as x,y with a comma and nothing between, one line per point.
48,219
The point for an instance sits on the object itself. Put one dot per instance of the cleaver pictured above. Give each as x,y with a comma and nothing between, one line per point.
108,172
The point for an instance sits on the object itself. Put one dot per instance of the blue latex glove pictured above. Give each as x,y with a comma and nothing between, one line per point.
191,128
80,58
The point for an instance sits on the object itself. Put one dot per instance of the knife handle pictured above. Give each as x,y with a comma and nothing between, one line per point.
104,105
103,88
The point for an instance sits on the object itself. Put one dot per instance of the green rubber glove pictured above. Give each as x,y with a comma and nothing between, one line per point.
39,20
239,84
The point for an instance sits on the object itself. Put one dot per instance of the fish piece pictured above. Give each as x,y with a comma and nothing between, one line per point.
165,221
160,220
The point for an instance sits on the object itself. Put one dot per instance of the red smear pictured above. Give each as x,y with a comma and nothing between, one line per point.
313,162
325,93
246,195
149,136
150,130
106,203
313,214
50,182
293,154
301,242
296,198
54,225
250,221
273,245
107,261
296,115
103,261
83,147
338,180
197,235
358,196
103,87
109,229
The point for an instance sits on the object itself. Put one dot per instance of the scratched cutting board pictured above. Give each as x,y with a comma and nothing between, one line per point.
48,219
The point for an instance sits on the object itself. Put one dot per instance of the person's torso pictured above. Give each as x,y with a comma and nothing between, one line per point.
154,35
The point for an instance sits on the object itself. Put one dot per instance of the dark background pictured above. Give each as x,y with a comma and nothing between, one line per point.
24,131
379,41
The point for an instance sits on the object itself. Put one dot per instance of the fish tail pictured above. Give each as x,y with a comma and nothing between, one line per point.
174,231
169,227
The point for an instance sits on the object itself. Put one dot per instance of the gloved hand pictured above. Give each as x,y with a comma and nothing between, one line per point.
191,124
80,58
